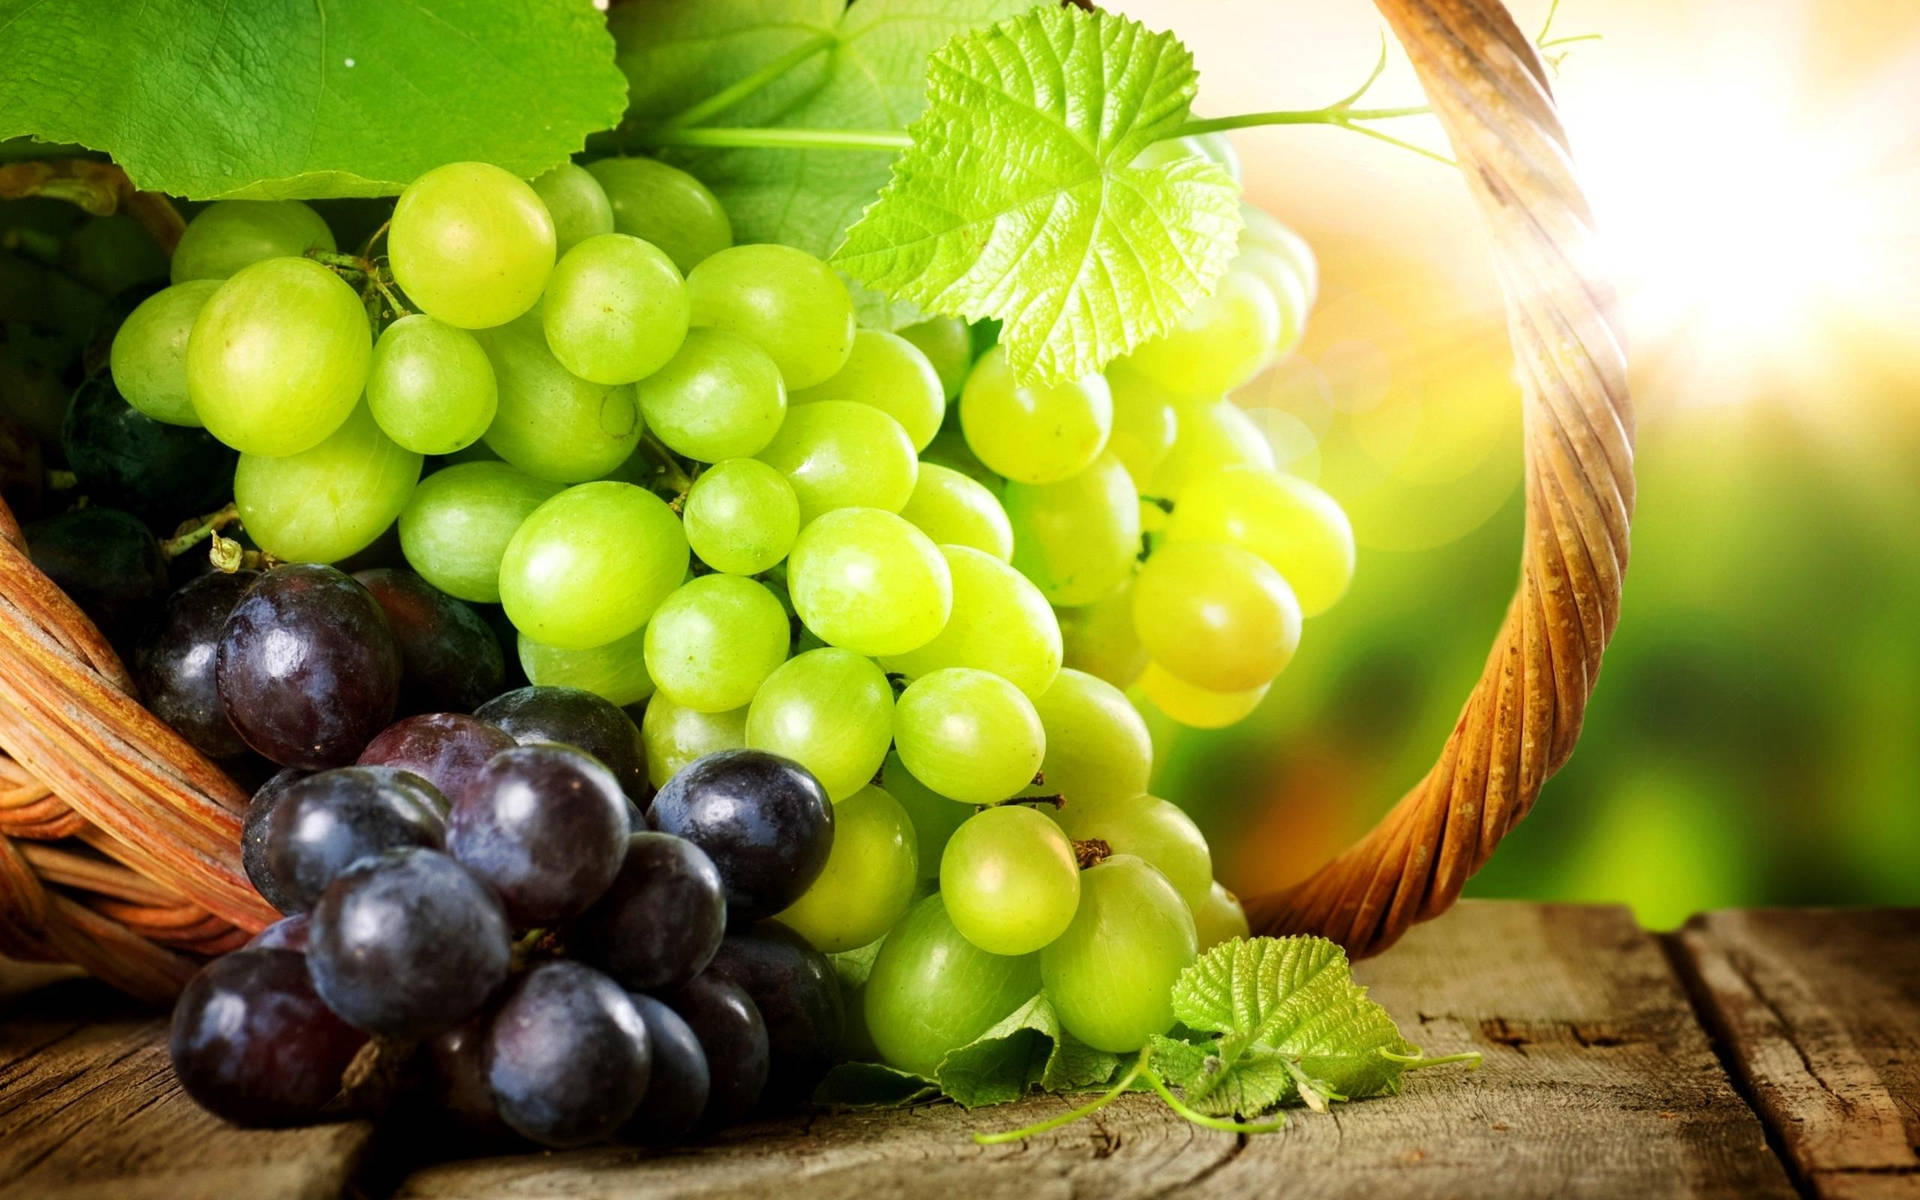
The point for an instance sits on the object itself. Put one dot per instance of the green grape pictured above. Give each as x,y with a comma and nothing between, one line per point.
954,510
1010,880
969,735
455,529
1298,529
1219,918
784,300
948,345
1170,150
932,991
1197,708
1098,748
1217,147
1211,437
889,373
829,710
1215,615
278,357
1152,829
1034,433
1110,975
838,454
741,516
675,736
430,386
1098,638
471,245
1000,623
238,233
666,206
591,565
865,580
1076,539
329,500
149,354
1289,294
1144,422
615,309
719,397
712,642
1226,340
616,671
934,816
551,423
1265,232
868,880
576,202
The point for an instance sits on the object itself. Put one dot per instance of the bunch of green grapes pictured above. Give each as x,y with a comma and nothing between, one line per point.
692,482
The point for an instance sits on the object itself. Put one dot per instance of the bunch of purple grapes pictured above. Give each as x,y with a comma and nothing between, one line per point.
478,905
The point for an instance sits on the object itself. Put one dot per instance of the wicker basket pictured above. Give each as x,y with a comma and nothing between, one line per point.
119,844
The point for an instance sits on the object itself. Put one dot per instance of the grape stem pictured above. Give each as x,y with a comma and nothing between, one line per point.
194,532
1070,1116
1199,1118
671,471
680,130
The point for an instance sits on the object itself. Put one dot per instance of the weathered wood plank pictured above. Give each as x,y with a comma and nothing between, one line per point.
1820,1013
1598,1082
89,1108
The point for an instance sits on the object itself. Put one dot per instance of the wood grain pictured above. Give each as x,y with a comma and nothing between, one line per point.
1598,1083
1819,1011
89,1108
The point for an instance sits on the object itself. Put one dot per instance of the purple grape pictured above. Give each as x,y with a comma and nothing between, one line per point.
764,820
288,933
798,994
451,659
456,1061
573,717
308,669
567,1057
328,821
734,1040
677,1092
173,662
545,826
262,810
252,1043
407,944
660,921
105,560
445,749
161,473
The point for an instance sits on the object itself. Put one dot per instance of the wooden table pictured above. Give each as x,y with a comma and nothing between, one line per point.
1753,1054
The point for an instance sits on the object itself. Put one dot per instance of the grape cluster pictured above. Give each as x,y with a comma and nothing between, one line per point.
883,619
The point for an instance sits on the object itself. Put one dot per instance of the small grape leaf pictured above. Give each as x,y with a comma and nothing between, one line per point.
853,966
349,98
1020,198
1260,1081
1026,1050
872,76
872,1085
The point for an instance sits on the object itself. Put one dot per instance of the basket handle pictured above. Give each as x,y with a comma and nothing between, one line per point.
1490,91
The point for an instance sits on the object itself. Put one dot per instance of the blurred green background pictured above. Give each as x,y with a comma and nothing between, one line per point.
1755,737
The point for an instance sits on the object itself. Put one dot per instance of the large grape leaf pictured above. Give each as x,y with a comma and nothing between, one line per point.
1021,197
871,76
277,98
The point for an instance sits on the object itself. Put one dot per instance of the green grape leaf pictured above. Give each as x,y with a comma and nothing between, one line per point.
872,1085
870,76
853,966
1020,198
1261,1080
1026,1050
346,98
1292,1024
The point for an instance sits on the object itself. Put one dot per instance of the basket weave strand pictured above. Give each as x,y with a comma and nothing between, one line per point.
1490,92
119,844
